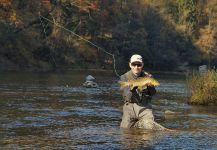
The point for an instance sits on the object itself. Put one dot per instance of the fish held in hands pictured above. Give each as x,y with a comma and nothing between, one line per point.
141,83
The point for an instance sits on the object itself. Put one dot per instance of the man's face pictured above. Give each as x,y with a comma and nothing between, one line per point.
136,67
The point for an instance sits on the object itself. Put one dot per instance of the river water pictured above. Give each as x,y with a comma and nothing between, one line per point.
53,111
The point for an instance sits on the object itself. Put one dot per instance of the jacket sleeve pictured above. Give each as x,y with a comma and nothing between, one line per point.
151,90
127,94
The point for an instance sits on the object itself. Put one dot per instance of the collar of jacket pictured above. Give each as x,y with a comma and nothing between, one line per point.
131,75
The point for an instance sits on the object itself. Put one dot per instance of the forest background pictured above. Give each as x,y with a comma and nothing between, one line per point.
171,35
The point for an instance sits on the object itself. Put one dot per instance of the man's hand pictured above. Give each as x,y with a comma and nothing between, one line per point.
148,74
134,89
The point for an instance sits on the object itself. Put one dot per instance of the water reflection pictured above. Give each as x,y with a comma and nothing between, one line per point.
139,138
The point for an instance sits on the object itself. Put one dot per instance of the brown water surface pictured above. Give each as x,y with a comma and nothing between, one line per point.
53,111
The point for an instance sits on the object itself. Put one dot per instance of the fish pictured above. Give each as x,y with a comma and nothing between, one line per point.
141,83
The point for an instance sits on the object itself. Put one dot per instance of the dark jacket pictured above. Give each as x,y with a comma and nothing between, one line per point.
133,96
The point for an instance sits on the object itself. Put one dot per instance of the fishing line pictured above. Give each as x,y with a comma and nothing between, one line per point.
45,34
91,43
43,25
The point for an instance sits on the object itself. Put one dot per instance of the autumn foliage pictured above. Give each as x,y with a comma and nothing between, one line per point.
167,33
5,3
7,11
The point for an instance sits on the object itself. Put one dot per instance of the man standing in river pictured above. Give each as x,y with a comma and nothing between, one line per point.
137,111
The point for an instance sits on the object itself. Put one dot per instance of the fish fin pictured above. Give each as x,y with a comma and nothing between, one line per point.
131,87
144,87
140,88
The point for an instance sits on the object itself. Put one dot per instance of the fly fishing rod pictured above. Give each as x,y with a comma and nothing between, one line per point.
82,38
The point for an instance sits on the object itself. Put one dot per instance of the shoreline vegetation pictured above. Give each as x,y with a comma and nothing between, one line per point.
203,88
170,35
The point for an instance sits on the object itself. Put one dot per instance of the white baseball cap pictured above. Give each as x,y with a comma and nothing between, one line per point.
136,58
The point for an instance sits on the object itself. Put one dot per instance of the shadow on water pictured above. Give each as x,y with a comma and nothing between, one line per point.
40,111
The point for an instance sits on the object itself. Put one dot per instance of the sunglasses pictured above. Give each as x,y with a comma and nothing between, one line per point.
136,64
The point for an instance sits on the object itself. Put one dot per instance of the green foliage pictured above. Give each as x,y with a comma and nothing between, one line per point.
185,12
203,88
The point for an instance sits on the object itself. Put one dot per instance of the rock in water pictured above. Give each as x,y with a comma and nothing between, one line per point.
89,78
90,84
169,112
